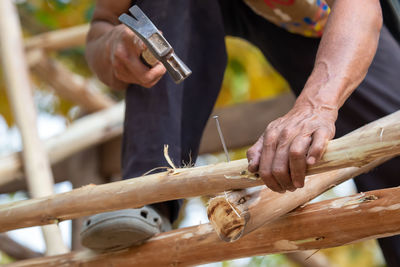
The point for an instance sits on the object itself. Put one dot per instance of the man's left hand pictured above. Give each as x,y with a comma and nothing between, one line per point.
290,143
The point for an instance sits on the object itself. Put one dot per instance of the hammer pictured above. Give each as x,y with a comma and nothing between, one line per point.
158,49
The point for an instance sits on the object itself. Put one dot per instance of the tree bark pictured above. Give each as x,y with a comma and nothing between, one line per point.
16,250
82,134
248,210
40,180
321,225
71,86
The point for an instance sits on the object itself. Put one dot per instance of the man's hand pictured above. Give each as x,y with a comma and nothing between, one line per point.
299,138
289,144
124,49
113,51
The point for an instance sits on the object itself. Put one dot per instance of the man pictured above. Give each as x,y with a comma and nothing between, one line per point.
322,72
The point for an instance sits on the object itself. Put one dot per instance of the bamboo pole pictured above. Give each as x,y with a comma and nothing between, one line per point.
320,225
59,39
237,213
40,180
71,86
16,250
81,134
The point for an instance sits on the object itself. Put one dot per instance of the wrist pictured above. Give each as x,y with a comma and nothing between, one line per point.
315,106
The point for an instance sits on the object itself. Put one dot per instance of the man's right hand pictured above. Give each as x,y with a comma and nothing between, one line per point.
113,50
124,49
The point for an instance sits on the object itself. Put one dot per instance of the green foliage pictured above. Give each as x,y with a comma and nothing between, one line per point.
56,14
5,259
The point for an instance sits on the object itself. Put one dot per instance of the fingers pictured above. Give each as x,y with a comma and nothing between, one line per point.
266,160
297,159
254,154
126,63
320,140
280,167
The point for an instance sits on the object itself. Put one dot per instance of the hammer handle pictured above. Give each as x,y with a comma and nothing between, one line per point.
148,59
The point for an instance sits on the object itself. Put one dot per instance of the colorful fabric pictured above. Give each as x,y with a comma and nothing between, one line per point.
305,17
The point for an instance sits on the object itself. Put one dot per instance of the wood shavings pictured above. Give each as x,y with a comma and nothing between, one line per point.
229,203
167,158
244,175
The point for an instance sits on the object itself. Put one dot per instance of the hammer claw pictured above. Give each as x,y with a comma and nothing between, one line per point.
140,24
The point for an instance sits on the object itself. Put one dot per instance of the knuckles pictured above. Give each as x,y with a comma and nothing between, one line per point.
296,153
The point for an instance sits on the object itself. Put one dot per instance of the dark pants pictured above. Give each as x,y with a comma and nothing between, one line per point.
176,114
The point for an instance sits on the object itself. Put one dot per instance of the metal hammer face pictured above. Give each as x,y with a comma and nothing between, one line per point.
142,26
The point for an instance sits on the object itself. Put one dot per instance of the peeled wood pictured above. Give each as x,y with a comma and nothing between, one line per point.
15,249
40,180
321,225
132,193
81,134
159,187
237,213
71,86
59,39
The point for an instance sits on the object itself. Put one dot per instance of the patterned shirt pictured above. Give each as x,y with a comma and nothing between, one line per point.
305,17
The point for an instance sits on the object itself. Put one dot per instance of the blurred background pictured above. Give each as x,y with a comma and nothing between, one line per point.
248,78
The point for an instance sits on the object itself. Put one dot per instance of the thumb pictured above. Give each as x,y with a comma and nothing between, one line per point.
254,155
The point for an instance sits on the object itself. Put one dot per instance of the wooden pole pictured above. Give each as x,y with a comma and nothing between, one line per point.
81,134
131,193
174,184
71,86
237,213
181,183
40,180
320,225
59,39
234,214
16,250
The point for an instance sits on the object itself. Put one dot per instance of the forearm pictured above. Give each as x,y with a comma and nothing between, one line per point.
98,51
346,51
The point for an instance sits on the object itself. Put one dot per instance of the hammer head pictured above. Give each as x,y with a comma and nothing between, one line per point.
141,25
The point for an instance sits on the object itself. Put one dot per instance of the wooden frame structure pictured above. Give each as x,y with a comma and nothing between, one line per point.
363,216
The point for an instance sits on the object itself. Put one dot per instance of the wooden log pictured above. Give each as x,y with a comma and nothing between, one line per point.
131,193
82,134
15,249
71,86
59,39
320,225
159,187
248,210
40,180
182,183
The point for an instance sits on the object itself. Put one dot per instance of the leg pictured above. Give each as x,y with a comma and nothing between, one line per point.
167,114
293,56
